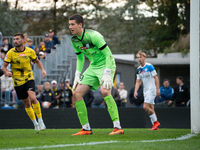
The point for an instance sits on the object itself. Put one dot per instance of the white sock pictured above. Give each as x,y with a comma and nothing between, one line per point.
151,121
153,117
117,124
40,119
35,122
86,126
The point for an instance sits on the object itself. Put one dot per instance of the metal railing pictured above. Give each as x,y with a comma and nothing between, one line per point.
36,39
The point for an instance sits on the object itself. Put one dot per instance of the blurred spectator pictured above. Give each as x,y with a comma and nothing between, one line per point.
39,91
30,43
36,49
140,97
56,92
42,46
41,55
48,43
98,101
68,84
47,95
123,94
166,94
116,97
2,60
14,95
6,46
88,98
6,87
25,39
157,101
1,39
181,93
166,91
65,96
53,38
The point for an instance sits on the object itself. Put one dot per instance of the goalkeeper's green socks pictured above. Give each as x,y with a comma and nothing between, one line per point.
82,114
113,111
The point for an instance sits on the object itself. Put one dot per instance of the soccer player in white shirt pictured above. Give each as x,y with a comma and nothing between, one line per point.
147,74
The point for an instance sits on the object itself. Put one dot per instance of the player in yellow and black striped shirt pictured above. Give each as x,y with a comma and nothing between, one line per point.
20,65
19,57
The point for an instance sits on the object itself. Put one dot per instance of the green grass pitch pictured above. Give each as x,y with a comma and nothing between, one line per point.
138,139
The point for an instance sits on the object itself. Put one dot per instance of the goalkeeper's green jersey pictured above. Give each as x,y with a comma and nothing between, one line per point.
92,44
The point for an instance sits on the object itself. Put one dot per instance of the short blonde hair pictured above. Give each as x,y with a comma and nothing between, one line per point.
47,83
141,53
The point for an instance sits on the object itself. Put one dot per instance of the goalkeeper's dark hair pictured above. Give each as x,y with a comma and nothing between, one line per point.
19,34
78,18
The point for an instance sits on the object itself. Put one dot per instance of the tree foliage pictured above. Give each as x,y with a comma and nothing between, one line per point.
47,21
125,29
11,20
170,23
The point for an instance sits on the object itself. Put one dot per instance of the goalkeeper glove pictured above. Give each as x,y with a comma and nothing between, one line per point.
76,79
106,79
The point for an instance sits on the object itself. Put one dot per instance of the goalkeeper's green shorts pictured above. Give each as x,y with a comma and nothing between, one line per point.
93,74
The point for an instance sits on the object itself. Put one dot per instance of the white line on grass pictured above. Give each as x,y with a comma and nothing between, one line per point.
183,137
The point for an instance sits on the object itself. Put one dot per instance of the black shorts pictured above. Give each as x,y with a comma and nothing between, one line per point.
22,89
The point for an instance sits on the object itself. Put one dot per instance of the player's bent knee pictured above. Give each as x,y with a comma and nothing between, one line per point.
145,107
77,96
32,98
105,92
75,93
27,102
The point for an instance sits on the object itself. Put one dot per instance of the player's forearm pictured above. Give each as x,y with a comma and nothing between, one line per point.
80,59
39,64
80,62
4,68
109,57
137,85
157,82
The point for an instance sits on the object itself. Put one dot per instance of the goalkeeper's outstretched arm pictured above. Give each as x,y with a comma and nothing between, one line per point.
106,79
79,67
80,62
109,57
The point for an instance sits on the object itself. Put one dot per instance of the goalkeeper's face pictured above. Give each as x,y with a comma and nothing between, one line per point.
76,29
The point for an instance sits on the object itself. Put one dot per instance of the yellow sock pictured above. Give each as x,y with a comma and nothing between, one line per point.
30,113
37,110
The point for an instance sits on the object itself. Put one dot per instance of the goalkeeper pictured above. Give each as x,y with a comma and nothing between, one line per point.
99,73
